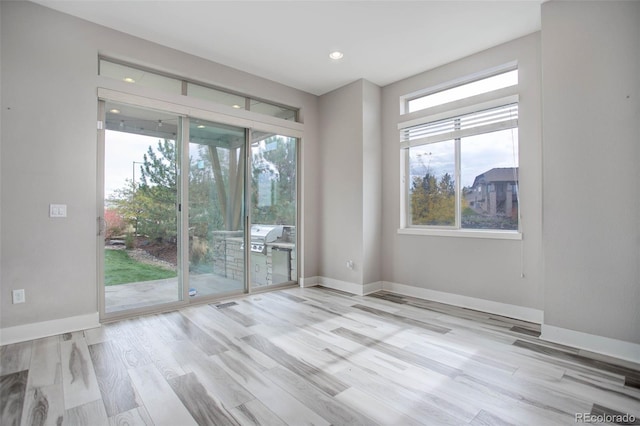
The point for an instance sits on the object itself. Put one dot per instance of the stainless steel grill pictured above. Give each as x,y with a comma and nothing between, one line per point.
263,234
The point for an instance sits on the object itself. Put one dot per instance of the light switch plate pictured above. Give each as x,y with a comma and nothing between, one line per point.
18,296
57,210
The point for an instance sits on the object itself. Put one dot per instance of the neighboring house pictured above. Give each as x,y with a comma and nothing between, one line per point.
495,192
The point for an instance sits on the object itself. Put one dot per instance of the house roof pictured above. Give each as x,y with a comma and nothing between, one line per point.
497,174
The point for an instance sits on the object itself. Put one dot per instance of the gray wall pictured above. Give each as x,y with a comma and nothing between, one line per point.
341,180
481,268
591,93
351,203
371,183
48,152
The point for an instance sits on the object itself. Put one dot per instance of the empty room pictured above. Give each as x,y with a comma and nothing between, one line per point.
319,212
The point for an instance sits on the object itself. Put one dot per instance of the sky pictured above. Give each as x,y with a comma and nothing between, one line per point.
479,154
121,151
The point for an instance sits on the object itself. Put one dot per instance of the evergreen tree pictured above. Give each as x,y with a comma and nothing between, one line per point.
433,201
157,193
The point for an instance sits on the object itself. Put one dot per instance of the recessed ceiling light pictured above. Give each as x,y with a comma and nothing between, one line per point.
201,126
114,111
129,80
236,106
336,55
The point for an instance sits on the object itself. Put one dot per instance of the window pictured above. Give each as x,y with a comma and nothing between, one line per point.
461,166
172,84
477,87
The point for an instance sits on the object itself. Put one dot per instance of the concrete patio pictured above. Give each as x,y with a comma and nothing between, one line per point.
148,293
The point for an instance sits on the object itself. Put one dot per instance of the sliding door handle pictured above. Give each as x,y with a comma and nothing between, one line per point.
102,226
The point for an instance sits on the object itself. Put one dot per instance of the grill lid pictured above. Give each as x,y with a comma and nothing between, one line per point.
263,234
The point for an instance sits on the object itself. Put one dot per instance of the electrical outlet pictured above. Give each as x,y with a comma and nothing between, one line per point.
350,264
18,296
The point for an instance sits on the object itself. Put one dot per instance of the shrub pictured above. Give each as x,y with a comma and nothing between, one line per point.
128,241
115,224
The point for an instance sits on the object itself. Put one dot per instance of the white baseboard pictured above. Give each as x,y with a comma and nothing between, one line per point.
21,333
349,287
309,282
603,345
512,311
372,287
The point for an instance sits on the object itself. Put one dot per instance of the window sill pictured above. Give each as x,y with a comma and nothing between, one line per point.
463,233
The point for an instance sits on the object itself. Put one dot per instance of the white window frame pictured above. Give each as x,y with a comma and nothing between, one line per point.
497,98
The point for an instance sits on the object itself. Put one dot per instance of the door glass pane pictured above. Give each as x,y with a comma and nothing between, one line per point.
140,208
273,210
216,209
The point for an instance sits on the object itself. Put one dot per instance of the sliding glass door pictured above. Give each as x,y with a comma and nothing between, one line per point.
273,251
216,208
140,250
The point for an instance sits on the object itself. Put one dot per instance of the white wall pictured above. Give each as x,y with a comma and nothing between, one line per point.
476,268
591,115
48,153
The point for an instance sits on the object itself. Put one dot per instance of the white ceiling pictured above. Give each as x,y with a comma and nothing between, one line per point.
289,41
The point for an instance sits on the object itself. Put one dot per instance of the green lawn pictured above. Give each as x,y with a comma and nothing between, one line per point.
119,268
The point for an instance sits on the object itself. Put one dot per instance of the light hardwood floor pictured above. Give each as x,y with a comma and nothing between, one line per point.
311,356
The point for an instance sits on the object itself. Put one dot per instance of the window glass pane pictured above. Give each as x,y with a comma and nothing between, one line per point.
489,174
273,110
478,87
432,187
174,85
214,95
140,77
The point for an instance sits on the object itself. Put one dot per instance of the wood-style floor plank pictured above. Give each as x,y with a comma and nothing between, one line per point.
323,380
311,356
412,404
379,410
219,383
78,376
45,368
185,329
256,413
44,406
113,380
161,402
283,405
158,354
399,353
15,357
12,396
136,417
92,413
303,390
203,408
